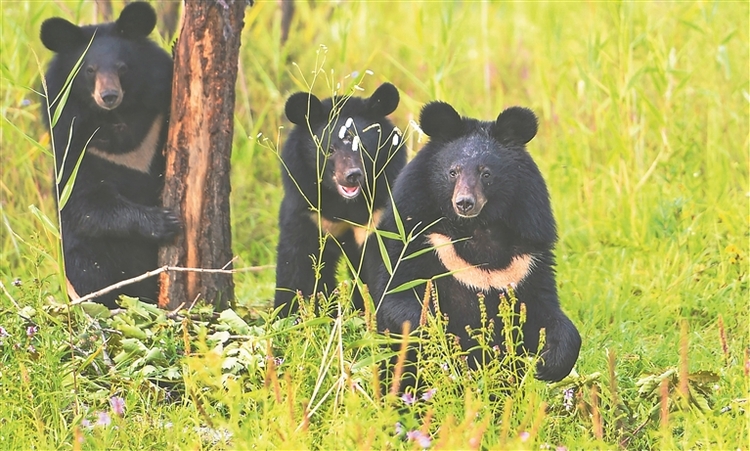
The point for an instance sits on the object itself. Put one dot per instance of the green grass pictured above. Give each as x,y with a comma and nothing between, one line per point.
643,142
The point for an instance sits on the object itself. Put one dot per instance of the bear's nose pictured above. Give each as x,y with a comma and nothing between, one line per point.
465,204
110,97
354,176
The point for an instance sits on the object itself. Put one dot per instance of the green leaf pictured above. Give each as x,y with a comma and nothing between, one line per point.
387,234
95,310
235,323
28,138
407,285
44,219
62,97
68,188
397,218
384,254
221,336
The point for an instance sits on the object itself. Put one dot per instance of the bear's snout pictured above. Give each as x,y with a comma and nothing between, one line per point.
348,173
108,93
468,197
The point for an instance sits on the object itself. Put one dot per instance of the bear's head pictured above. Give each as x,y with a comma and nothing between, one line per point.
481,172
119,61
352,138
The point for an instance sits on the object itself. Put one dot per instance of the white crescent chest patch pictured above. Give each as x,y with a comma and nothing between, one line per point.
338,228
138,159
475,277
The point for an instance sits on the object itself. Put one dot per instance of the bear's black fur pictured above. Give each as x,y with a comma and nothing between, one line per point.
341,159
478,199
118,104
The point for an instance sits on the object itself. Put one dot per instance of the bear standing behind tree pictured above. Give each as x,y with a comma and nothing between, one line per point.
481,210
117,111
340,159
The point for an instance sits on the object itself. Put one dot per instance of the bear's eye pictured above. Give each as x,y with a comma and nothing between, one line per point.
452,173
122,68
486,174
90,70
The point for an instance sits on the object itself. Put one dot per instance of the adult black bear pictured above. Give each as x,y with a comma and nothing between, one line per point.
337,168
482,209
116,115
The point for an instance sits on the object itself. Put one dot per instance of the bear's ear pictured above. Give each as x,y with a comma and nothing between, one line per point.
440,120
515,124
59,35
137,20
301,106
383,101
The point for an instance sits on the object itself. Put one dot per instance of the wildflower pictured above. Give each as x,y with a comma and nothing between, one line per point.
355,143
118,405
524,436
408,398
395,140
103,419
17,282
342,132
86,423
349,122
3,333
561,448
429,394
31,331
421,438
399,429
568,398
31,349
444,366
277,361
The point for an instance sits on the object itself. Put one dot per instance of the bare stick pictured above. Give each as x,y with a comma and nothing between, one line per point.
158,271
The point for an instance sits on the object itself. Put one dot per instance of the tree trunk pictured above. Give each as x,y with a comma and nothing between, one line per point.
198,152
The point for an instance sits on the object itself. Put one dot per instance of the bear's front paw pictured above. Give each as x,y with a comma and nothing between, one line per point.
559,356
165,224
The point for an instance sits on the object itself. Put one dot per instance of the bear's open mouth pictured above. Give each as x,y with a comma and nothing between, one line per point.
348,192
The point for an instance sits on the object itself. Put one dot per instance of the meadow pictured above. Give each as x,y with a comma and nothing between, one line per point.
643,141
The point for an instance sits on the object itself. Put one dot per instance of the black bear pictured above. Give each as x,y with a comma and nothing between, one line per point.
116,115
479,208
337,168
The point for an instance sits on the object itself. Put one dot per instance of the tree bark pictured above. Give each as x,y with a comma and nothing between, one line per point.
198,151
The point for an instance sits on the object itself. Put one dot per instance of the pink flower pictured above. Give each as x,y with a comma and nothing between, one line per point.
408,398
524,436
429,394
561,448
118,405
421,438
103,419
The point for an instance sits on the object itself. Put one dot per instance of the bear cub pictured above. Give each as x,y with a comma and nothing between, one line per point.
338,164
482,211
116,115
